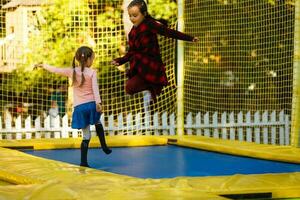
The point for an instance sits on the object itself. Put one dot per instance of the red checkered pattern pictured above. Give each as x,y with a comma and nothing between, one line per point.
144,53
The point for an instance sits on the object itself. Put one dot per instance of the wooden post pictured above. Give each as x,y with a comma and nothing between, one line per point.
180,72
295,126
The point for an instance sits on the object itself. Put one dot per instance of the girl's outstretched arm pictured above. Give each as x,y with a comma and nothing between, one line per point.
162,29
61,71
124,59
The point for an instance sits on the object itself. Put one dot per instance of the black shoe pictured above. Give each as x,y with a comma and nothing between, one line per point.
107,151
84,165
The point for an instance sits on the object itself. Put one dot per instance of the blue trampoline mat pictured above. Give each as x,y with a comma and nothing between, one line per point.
168,162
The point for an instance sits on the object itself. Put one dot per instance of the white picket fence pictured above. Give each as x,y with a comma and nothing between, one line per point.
265,128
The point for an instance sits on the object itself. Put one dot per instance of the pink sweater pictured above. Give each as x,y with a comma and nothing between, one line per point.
88,92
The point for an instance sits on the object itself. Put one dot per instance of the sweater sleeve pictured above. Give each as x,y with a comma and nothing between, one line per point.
162,29
61,71
95,87
125,58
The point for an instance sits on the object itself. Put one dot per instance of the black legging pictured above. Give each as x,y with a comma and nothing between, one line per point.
101,136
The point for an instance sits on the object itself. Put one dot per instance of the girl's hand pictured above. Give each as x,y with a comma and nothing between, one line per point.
195,39
39,65
99,107
121,68
115,63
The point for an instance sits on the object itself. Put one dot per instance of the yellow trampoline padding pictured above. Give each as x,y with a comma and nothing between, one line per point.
112,141
269,152
39,178
2,182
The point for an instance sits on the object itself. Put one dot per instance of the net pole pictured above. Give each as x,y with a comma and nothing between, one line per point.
180,72
295,127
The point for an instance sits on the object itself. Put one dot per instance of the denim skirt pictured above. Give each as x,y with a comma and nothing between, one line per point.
85,114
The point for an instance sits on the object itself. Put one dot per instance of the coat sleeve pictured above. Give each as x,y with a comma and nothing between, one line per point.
124,59
157,27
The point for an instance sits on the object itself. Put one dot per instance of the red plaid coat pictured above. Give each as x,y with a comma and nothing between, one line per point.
144,53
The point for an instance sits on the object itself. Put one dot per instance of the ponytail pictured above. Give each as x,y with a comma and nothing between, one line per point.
82,55
74,72
82,76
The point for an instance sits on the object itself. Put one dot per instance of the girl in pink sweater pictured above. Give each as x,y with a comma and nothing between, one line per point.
87,101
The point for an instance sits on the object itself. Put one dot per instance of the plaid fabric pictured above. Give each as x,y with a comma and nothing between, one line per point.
144,53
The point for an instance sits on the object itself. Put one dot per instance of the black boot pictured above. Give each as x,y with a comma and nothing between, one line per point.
101,136
84,147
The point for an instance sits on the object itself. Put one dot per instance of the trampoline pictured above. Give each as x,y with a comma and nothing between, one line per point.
148,167
168,161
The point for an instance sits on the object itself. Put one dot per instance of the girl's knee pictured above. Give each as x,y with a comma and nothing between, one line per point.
86,133
129,89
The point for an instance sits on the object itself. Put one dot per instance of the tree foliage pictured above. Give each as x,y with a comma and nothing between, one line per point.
245,55
236,37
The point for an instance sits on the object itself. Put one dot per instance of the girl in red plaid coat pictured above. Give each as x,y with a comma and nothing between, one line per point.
147,71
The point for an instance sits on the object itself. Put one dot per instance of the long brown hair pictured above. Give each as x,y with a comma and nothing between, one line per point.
141,4
82,54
